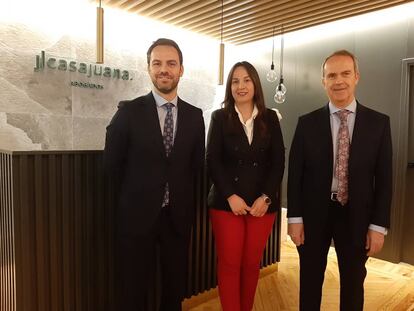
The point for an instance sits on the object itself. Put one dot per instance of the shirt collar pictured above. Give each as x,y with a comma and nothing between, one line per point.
254,113
351,107
160,101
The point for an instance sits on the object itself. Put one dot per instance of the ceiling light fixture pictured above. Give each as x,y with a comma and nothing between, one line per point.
221,59
271,74
280,95
99,34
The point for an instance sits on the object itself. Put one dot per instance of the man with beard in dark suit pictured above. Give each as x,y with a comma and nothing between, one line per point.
155,144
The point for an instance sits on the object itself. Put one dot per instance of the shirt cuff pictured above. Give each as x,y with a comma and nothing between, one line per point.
295,220
379,229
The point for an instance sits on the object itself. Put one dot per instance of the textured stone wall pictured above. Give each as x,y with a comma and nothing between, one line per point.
43,110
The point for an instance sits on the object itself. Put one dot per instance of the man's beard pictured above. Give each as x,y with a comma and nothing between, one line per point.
165,89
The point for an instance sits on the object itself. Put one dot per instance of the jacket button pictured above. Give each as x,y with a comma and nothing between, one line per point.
255,164
236,179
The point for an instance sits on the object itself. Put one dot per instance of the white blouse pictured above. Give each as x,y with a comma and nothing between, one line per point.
248,125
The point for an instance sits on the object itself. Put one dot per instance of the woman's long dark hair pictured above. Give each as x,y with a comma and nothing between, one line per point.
258,98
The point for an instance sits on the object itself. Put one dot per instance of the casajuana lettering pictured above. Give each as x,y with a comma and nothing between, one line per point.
72,66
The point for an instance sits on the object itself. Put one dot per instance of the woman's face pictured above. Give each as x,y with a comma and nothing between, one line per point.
242,87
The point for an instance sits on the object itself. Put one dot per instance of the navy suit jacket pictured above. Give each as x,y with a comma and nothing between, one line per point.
370,171
134,151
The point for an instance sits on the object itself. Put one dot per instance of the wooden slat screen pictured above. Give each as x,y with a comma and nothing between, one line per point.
56,234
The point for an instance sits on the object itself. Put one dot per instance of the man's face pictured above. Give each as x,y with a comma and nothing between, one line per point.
165,69
340,80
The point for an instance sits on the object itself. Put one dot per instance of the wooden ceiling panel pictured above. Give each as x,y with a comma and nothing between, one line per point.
229,14
246,21
276,16
306,21
298,17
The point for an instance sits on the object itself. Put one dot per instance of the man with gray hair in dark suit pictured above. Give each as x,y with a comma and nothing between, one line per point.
339,187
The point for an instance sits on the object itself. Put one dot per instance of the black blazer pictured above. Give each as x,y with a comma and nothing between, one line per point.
135,152
238,168
370,171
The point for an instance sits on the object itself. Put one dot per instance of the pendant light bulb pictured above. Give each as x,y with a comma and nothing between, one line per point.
271,75
281,87
279,97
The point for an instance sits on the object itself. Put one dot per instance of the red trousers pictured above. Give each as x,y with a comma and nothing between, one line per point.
240,241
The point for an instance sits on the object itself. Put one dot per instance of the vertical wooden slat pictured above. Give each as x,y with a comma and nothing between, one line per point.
55,236
90,235
11,230
78,223
67,234
27,289
17,231
197,245
96,179
41,242
7,246
4,289
109,201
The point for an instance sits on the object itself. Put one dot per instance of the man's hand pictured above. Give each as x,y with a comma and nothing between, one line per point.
237,205
374,243
297,233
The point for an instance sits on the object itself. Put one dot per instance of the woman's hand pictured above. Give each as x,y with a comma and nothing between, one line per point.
259,207
237,205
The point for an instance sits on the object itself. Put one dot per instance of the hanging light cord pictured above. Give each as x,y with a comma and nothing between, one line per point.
282,44
273,46
100,2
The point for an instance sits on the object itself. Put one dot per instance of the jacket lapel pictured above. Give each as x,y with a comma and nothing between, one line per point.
358,142
237,132
255,139
244,141
154,128
180,128
326,136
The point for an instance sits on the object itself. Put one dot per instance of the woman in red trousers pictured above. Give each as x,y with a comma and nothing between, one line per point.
245,158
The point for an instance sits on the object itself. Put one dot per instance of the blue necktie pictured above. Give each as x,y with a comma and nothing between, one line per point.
168,139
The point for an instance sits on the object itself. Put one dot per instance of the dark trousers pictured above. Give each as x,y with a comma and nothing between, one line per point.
351,263
135,261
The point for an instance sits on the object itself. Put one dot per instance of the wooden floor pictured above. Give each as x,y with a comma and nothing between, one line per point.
387,287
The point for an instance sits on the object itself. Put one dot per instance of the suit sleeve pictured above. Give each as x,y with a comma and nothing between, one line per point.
295,174
383,179
215,155
116,142
276,170
199,148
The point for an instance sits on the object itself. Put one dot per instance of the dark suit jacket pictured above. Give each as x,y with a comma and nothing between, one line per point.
134,151
238,168
370,171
